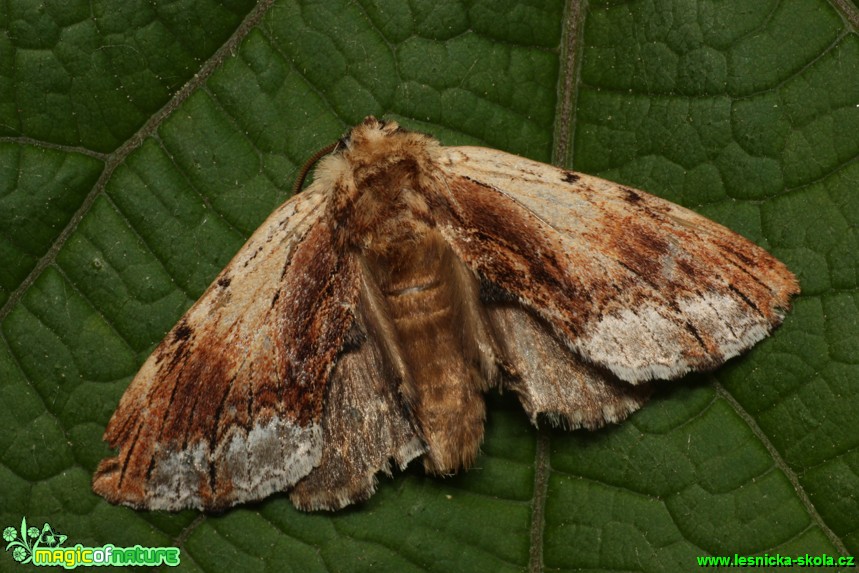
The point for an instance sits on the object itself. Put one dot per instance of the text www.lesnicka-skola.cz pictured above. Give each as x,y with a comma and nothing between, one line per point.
777,560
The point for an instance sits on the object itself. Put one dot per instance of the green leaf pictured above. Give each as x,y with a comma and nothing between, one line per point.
141,143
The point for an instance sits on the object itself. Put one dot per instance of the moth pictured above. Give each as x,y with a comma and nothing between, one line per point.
363,321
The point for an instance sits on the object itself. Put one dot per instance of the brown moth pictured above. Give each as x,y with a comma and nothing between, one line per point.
362,322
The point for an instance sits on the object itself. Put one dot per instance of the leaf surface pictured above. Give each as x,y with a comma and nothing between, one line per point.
141,144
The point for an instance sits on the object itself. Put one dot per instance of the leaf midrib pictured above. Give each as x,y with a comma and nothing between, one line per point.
569,63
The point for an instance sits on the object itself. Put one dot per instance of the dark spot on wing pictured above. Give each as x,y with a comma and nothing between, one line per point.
183,332
631,195
491,292
570,177
691,329
355,337
742,296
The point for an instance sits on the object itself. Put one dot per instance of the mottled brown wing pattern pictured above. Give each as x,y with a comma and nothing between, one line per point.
361,324
365,424
228,408
630,282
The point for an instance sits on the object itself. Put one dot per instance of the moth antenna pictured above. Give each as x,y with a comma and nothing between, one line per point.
308,165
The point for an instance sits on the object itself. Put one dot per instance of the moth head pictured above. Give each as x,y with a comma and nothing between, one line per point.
371,129
377,171
375,144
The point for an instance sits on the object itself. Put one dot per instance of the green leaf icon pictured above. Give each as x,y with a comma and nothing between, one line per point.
9,534
51,538
19,554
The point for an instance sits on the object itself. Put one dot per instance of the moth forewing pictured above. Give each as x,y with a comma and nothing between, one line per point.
205,423
361,323
660,290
